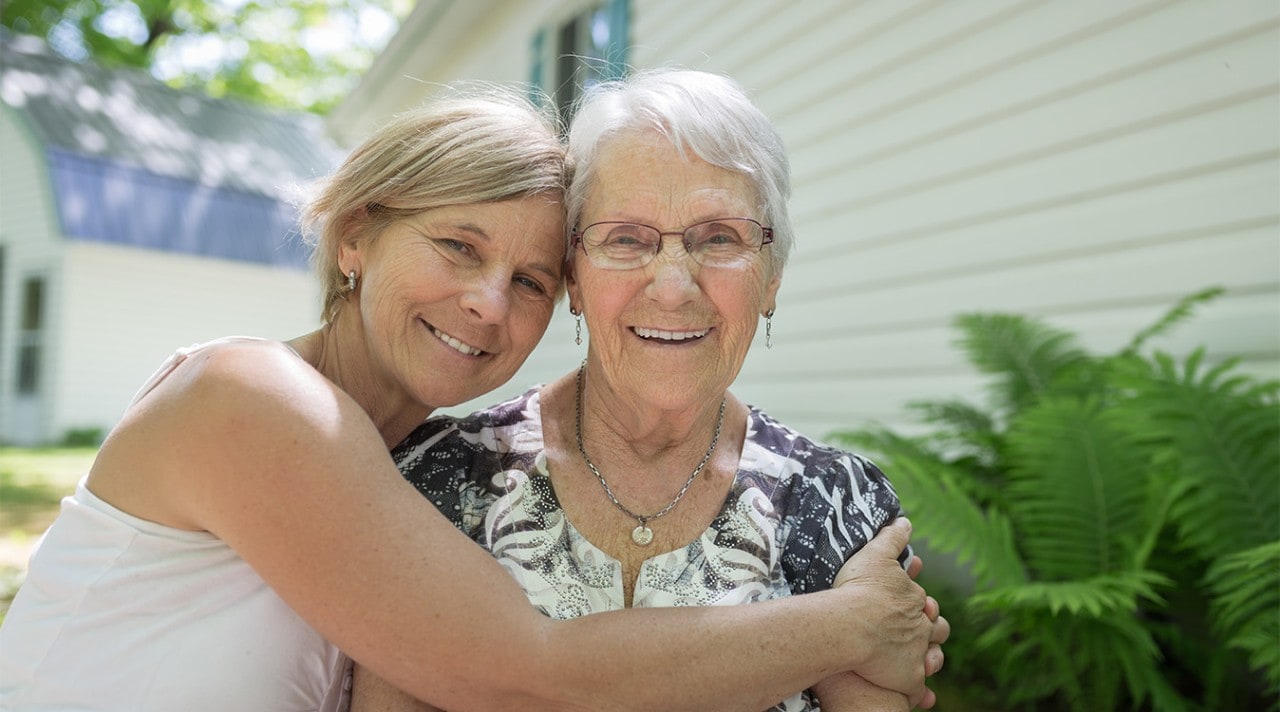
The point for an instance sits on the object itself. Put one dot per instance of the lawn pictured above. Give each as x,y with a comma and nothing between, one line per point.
32,483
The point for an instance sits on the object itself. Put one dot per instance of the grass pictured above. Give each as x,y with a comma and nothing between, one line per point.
32,484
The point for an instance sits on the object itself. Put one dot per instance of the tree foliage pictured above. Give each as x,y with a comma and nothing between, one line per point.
297,54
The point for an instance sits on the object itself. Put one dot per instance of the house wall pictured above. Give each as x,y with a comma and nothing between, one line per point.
1085,163
28,237
125,310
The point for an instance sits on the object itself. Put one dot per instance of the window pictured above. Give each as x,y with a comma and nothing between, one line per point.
30,335
586,49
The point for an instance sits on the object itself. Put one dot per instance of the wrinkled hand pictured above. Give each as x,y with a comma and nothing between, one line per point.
903,631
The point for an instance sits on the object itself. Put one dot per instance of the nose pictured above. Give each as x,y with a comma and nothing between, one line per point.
487,300
673,283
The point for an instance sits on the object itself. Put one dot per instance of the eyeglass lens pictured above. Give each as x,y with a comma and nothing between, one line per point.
724,242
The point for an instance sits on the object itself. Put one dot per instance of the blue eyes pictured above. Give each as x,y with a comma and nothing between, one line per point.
464,249
456,245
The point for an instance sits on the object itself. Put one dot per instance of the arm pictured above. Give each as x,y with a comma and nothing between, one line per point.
839,500
263,452
849,691
370,693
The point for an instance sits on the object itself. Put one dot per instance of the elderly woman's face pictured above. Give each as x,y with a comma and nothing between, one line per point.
674,332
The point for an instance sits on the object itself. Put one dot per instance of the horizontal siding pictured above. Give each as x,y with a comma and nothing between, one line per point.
1088,164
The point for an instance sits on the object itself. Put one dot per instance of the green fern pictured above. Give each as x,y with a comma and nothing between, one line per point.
1246,605
1120,514
1179,313
1024,357
1096,597
1078,483
942,512
1221,435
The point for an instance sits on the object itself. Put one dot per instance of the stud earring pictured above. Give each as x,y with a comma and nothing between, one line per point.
577,336
351,281
768,329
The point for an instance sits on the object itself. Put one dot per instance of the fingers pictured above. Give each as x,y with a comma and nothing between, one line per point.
931,608
893,537
928,701
941,631
934,659
914,566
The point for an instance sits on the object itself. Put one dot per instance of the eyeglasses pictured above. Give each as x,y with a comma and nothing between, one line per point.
723,242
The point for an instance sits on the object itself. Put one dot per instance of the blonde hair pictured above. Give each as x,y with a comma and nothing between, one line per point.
480,144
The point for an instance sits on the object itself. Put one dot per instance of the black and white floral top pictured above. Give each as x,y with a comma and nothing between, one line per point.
796,512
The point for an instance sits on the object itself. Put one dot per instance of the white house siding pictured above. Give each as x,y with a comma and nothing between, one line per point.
126,309
28,235
1088,163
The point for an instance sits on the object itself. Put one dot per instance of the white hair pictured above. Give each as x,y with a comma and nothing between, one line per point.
706,113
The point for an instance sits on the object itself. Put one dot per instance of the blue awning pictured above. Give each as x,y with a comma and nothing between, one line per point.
103,201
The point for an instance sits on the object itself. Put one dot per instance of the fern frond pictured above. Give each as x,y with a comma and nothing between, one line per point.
1245,605
1177,314
1025,356
1078,495
1098,597
942,512
1221,433
963,421
1051,652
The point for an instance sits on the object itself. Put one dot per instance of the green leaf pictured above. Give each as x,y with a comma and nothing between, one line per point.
1024,356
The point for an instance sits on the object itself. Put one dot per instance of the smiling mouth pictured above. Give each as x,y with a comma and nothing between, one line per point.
455,344
671,337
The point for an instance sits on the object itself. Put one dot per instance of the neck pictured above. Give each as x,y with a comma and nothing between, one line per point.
340,353
644,431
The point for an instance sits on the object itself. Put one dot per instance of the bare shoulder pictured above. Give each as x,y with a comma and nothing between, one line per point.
214,419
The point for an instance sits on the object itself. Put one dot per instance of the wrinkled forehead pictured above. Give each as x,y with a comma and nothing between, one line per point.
643,176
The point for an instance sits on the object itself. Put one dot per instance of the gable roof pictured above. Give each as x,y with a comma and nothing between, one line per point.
137,162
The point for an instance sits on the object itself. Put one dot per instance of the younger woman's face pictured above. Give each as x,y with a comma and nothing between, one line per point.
454,299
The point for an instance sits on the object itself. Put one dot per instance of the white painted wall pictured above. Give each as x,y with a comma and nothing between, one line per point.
114,313
1089,163
125,310
28,234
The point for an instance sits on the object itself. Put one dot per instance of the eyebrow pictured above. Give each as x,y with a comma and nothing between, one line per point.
473,229
538,266
553,274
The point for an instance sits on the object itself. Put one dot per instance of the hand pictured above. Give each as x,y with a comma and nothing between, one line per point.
897,629
941,631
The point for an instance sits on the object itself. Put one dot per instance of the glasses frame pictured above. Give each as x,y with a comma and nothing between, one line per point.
576,240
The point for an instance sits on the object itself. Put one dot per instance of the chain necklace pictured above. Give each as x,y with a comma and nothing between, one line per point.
642,534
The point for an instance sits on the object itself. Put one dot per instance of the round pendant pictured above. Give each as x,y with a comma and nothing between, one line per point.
642,535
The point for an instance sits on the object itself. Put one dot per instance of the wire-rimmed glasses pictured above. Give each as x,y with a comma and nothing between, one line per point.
723,242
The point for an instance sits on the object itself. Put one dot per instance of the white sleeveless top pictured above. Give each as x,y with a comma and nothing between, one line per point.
120,613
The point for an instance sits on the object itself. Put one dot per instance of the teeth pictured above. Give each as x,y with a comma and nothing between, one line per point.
458,345
669,335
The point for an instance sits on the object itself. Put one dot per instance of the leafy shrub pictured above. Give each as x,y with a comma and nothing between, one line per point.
1120,517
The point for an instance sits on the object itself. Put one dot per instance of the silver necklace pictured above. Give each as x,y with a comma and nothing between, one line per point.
642,534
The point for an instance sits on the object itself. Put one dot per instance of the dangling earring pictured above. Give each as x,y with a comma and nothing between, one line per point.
768,329
351,281
577,336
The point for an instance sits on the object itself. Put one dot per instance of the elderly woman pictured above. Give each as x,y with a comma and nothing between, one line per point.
639,479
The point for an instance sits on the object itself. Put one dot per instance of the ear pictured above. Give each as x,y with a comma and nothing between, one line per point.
351,248
771,293
571,286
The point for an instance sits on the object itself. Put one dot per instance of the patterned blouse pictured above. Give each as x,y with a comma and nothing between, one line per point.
795,513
